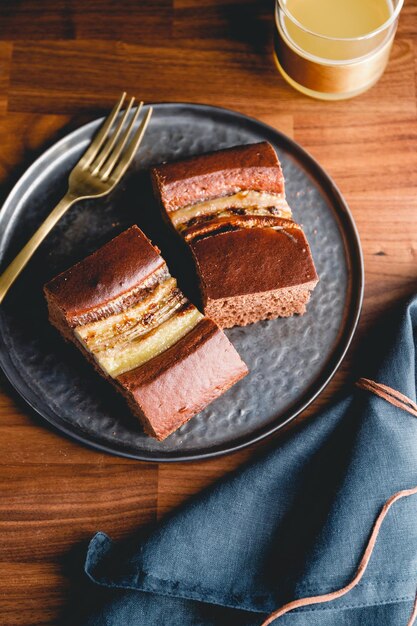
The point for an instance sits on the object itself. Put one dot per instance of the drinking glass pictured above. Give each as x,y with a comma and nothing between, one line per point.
334,49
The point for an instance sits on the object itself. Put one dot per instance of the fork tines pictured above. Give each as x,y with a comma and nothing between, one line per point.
113,148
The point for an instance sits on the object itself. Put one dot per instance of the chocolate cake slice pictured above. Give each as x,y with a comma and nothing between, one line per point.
121,307
252,259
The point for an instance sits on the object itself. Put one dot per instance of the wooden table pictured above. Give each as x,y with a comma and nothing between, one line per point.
62,63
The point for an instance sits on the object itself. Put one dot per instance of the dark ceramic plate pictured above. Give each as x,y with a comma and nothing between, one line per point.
290,360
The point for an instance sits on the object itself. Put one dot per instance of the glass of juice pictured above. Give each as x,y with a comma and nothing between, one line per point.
334,49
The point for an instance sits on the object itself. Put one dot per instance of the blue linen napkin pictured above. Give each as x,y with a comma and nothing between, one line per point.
292,524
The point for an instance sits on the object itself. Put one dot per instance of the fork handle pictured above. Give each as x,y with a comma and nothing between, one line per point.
16,266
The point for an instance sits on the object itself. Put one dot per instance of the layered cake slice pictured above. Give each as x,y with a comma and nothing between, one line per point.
253,260
122,308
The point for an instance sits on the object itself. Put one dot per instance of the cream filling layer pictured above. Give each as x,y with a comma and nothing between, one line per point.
247,199
134,321
126,340
120,359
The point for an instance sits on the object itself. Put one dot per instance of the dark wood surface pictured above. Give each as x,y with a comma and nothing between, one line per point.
62,63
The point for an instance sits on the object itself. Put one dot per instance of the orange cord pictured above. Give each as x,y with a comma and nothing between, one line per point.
390,395
413,614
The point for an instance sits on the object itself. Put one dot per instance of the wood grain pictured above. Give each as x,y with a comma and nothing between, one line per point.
36,595
34,132
107,67
63,62
126,20
6,49
59,496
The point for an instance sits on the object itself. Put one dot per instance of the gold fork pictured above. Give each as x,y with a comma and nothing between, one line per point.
95,175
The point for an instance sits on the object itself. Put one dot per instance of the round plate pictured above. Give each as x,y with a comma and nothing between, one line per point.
290,360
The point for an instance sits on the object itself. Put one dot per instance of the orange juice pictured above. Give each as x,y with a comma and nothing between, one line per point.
336,19
334,49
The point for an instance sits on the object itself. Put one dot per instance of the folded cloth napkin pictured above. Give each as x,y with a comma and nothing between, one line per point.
294,524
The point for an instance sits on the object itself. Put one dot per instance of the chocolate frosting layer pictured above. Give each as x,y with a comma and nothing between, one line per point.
110,273
180,382
249,261
254,166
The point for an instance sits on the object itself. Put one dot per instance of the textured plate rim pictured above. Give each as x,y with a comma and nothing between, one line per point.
348,230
